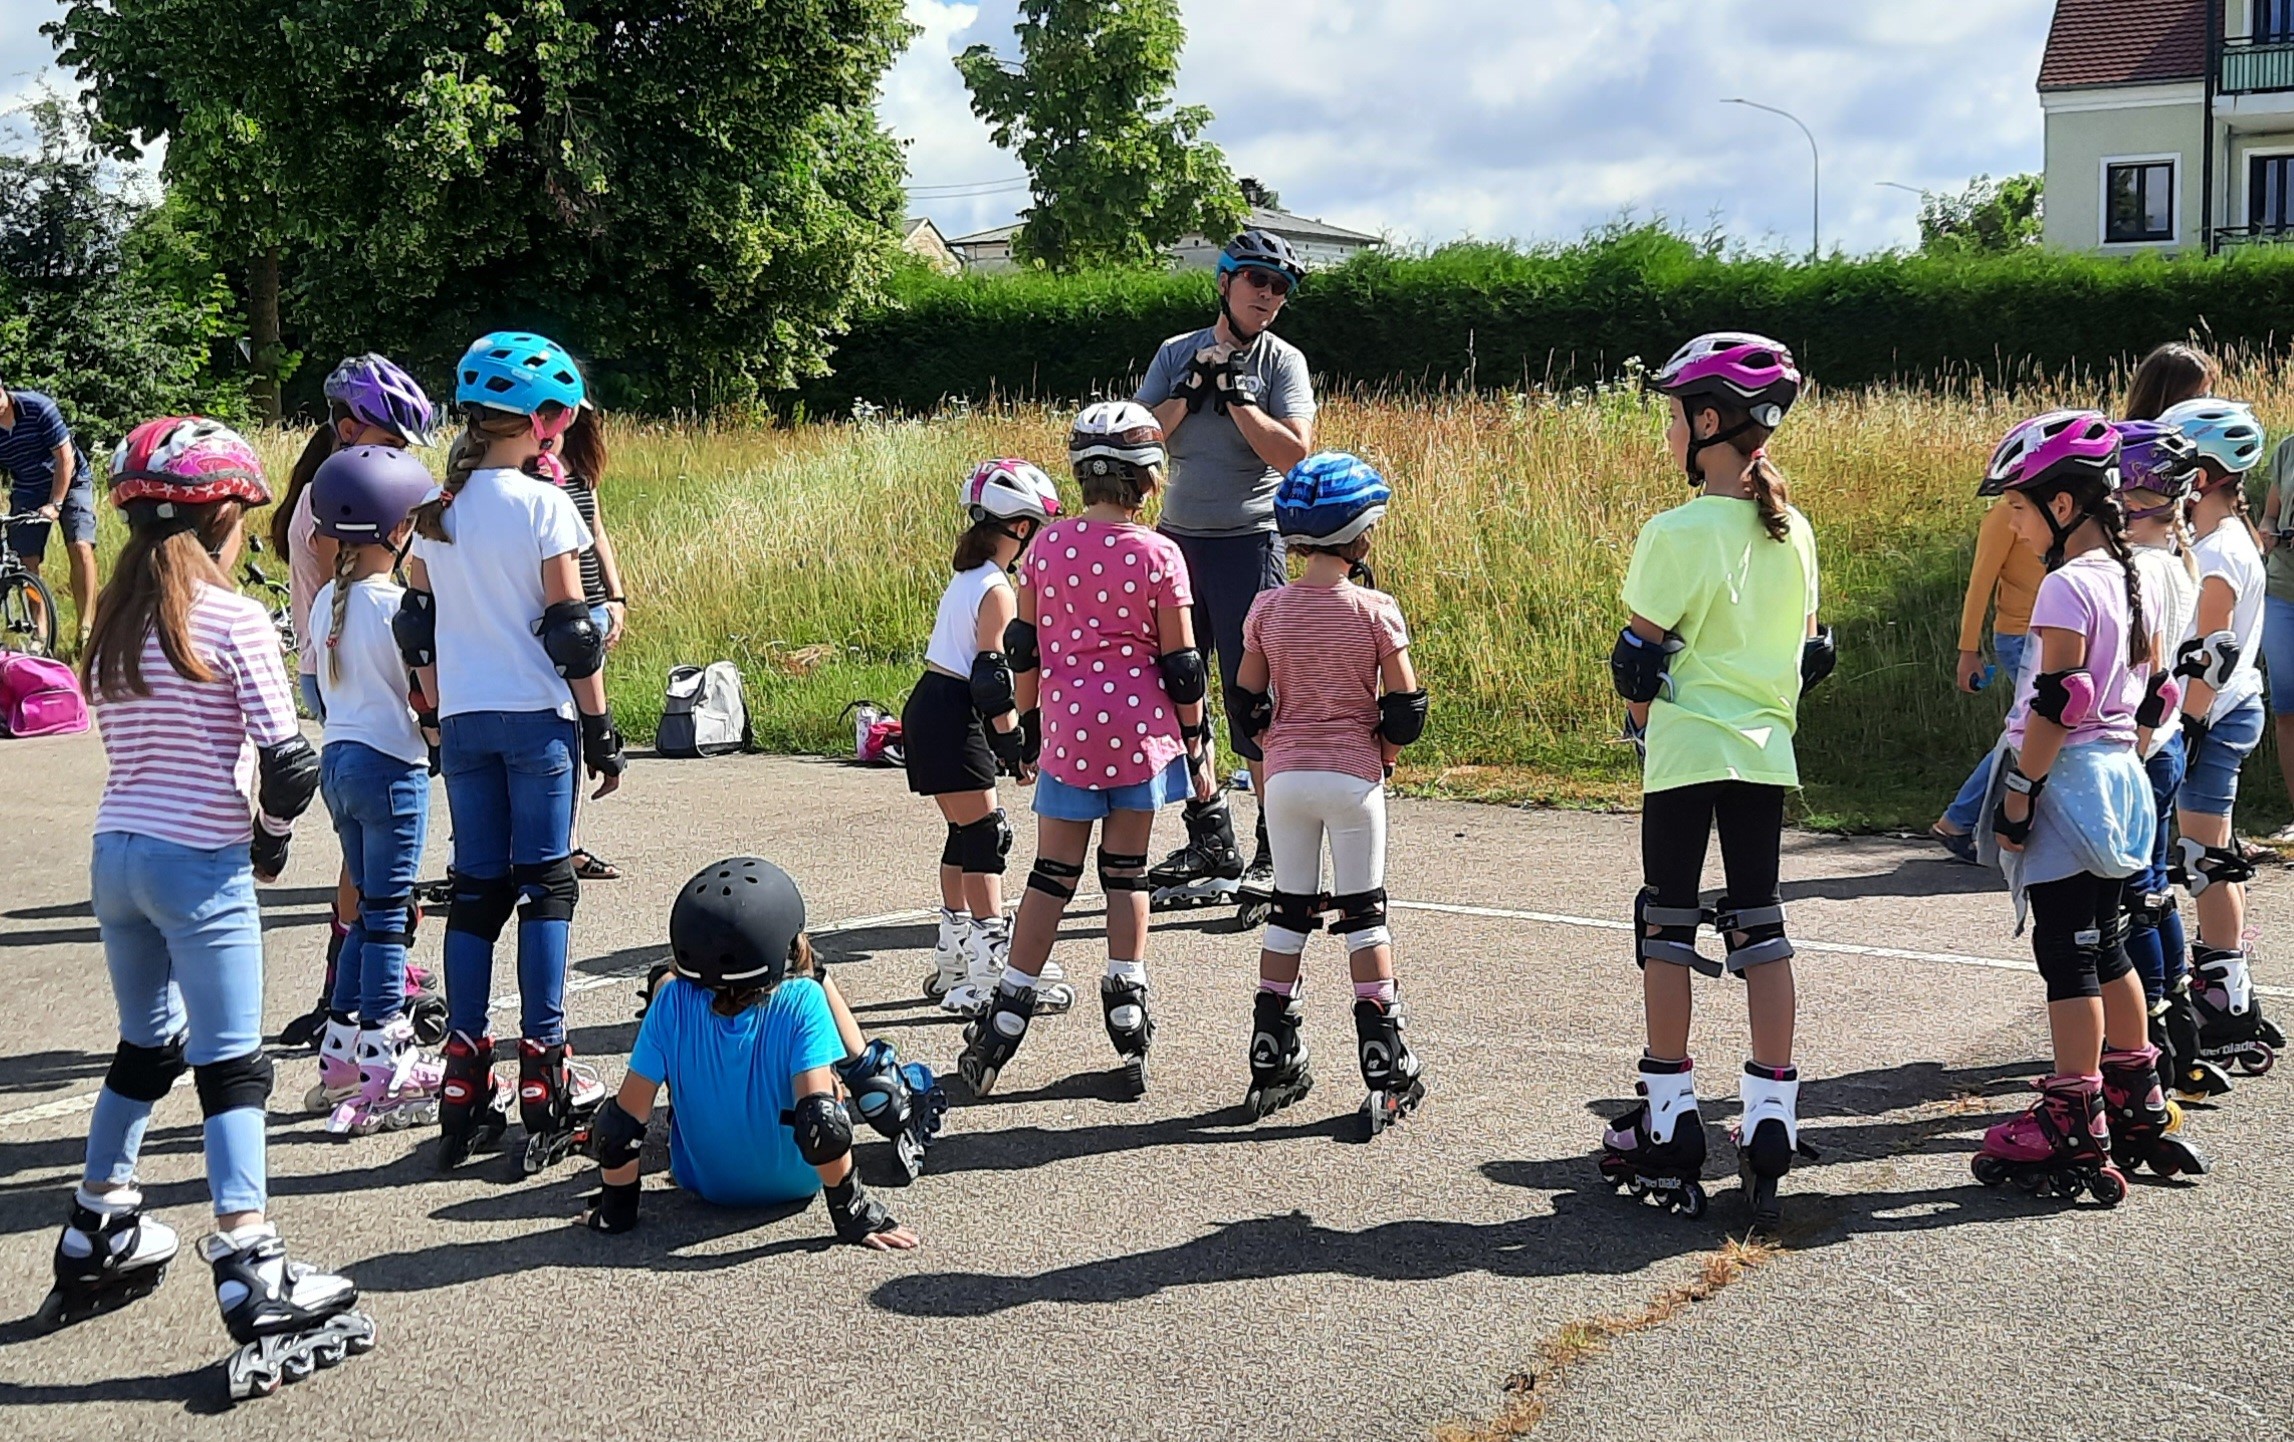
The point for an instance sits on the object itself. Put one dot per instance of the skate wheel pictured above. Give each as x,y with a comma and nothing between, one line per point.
1989,1170
2254,1061
2108,1186
298,1366
1692,1200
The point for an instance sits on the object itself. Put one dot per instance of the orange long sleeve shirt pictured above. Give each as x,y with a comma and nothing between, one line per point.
2007,574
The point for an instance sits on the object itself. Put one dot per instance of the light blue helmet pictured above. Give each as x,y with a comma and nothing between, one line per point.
1330,498
2225,432
519,372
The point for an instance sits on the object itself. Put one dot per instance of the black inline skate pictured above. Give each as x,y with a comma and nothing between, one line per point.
1254,895
473,1107
109,1255
1767,1138
2060,1147
904,1103
1123,1002
557,1098
993,1038
1208,869
1391,1071
2145,1126
1658,1148
2231,1026
1278,1057
290,1319
2174,1031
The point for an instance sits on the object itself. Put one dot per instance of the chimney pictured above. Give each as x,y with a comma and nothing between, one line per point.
1254,193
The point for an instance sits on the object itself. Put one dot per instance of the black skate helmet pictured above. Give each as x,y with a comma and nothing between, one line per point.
735,924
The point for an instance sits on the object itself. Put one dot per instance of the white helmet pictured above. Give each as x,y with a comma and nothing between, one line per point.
1009,490
1110,433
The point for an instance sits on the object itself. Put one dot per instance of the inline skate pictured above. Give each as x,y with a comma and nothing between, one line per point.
109,1255
557,1098
2144,1124
473,1105
1767,1135
398,1085
338,1067
1392,1072
289,1318
1123,1002
1254,894
305,1030
2060,1147
425,1003
1208,869
1658,1148
2231,1026
993,1038
1279,1074
949,954
903,1102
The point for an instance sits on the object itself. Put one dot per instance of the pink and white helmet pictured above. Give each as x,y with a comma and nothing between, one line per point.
1009,490
1749,372
187,461
2058,448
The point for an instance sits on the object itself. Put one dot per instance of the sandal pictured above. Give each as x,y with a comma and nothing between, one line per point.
1959,844
590,867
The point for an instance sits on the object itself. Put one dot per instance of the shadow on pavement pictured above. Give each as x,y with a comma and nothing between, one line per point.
672,1223
1922,876
201,1390
63,911
42,1070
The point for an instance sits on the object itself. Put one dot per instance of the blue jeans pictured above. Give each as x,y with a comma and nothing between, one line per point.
183,940
314,700
1062,801
1966,808
510,779
2278,653
2210,781
381,809
2158,951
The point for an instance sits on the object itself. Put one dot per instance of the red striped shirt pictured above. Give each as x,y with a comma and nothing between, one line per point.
180,763
1323,647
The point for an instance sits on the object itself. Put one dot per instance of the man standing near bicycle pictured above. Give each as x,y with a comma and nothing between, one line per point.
49,480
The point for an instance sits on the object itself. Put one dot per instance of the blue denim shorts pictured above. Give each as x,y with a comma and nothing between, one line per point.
2210,781
2278,653
1061,801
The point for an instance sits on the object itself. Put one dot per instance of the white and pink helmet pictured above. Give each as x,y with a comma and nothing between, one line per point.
1008,489
2059,448
1743,371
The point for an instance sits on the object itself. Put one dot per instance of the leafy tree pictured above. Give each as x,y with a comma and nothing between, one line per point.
1118,172
1988,217
693,193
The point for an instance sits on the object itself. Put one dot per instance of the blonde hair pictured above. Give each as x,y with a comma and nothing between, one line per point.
346,556
482,427
154,582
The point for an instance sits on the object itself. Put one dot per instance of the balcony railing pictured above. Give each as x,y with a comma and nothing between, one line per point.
2250,66
2226,236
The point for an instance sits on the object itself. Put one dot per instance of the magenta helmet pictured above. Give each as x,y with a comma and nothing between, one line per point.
379,393
1746,372
362,494
2059,448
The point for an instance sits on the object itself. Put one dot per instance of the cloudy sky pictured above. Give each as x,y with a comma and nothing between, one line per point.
1433,119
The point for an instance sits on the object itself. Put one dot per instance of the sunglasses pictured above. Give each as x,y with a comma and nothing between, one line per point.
1268,280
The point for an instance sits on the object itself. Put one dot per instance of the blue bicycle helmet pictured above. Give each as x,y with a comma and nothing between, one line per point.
1329,499
1262,250
519,372
2225,433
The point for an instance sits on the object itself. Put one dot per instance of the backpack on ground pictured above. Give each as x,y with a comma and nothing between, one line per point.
39,697
876,735
702,713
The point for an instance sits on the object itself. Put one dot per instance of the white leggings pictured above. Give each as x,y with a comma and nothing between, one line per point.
1302,807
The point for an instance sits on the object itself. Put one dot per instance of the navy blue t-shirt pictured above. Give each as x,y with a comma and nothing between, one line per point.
28,449
730,1078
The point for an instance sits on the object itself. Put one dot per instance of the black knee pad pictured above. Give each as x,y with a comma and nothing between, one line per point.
2111,958
1668,934
2146,909
1362,918
550,890
233,1083
1055,878
982,845
481,906
879,1088
2069,963
370,907
1122,871
952,850
823,1128
1297,910
1754,935
145,1073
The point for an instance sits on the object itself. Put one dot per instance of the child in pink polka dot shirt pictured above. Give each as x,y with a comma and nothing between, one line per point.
1120,701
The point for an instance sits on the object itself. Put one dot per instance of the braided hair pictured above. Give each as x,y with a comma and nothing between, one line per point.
2110,514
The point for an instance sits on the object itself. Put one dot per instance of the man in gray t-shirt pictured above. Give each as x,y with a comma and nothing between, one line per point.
1237,406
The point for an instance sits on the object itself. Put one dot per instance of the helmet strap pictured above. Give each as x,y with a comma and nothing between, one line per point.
2062,531
1697,475
1234,323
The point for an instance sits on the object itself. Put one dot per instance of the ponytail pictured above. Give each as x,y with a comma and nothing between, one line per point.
346,556
323,443
2111,516
2185,541
1771,494
482,426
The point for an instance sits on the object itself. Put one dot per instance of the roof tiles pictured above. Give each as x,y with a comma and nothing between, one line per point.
2124,42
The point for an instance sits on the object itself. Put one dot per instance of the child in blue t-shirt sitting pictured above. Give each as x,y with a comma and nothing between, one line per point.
754,1044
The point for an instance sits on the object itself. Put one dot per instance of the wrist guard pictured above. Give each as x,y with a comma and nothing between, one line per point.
857,1215
1010,746
616,1208
266,851
601,746
2029,787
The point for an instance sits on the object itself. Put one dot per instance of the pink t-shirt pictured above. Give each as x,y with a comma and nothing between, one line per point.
2087,594
1323,647
180,768
1100,589
304,577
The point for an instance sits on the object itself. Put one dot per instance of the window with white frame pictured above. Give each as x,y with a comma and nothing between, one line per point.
2138,200
2270,192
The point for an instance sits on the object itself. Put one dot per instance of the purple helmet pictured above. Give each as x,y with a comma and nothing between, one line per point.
2059,448
379,393
2157,458
1747,372
360,495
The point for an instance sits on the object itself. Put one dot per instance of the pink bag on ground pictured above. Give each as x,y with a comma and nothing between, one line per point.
39,697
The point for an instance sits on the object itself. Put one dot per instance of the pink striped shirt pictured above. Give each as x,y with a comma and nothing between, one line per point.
1323,647
181,766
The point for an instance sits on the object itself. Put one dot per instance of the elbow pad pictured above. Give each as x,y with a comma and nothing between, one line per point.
992,693
288,777
571,638
415,628
1638,668
1402,716
2162,700
1250,711
1183,675
2213,660
2064,697
1020,646
1818,655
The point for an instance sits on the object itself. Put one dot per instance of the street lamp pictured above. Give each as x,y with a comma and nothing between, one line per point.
1899,185
1816,174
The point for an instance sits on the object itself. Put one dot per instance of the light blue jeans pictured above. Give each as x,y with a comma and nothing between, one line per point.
183,940
381,810
1967,808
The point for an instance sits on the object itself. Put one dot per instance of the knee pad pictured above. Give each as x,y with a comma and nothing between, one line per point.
952,850
823,1128
616,1137
1668,934
370,908
481,906
1122,870
550,889
1762,930
1055,878
233,1084
1294,917
2146,909
145,1073
2199,867
2111,958
2068,963
982,845
879,1090
1362,919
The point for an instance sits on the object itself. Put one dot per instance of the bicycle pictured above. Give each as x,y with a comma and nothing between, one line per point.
275,596
27,606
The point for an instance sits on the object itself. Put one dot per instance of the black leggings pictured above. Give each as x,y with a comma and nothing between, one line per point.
1676,824
2079,934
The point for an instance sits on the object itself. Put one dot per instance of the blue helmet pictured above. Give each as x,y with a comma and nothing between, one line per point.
2225,433
519,372
1329,499
1262,250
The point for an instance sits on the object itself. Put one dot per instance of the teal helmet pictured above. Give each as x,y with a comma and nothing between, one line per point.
519,372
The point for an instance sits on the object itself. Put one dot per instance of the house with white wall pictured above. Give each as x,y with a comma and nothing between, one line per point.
1317,242
2170,124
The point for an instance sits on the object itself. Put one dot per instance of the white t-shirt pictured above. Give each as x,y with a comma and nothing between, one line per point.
2170,600
2229,552
488,581
956,632
366,703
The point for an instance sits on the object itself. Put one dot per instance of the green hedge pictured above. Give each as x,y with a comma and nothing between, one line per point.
1500,318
